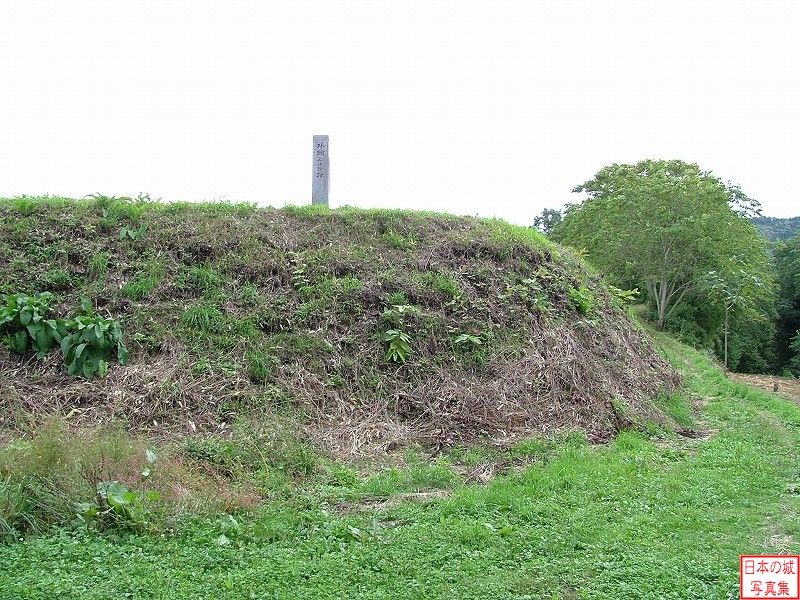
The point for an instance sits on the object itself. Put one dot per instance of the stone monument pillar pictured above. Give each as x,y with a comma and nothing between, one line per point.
321,171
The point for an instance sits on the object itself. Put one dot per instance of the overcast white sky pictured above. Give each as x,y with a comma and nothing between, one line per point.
495,108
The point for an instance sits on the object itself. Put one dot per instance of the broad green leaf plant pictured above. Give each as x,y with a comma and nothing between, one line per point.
25,319
91,343
399,341
88,341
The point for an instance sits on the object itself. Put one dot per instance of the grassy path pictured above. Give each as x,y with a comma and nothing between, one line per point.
640,518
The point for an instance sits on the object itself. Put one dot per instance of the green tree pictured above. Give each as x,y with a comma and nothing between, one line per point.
792,366
736,290
750,347
787,337
664,224
547,220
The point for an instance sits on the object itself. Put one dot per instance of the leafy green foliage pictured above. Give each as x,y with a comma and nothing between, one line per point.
787,267
582,298
792,366
736,290
399,341
116,505
399,345
775,229
547,220
25,205
625,296
129,209
399,312
90,345
473,345
300,279
133,233
528,290
664,225
468,339
23,317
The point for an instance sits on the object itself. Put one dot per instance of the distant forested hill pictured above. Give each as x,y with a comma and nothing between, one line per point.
773,228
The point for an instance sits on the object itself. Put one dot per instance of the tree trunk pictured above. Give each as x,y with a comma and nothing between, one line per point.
662,305
660,308
726,339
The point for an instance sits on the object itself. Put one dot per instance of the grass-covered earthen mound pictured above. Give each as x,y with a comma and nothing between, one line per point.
381,326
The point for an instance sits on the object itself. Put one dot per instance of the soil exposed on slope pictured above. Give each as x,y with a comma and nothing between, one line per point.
786,387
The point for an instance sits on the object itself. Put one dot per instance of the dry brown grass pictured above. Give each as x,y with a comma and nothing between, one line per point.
786,387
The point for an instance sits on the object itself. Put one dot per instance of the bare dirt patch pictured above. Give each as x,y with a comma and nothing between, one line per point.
785,387
380,504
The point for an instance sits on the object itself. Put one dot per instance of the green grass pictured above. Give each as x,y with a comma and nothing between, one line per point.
639,518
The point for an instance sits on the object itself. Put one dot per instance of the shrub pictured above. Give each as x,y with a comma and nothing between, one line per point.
24,317
116,506
88,349
582,298
87,342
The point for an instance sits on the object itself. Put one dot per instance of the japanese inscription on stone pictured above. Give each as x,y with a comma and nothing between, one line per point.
320,178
